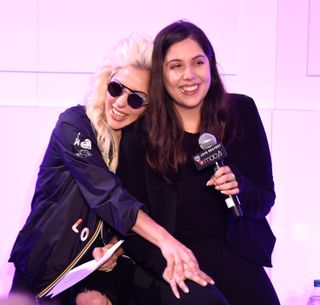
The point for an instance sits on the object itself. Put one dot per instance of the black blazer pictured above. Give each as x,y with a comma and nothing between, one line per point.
248,156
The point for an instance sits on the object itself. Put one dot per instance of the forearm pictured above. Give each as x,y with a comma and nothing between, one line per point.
147,228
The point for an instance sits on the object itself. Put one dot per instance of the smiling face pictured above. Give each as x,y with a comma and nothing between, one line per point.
187,77
118,112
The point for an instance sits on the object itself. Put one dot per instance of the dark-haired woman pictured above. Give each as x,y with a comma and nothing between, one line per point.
156,164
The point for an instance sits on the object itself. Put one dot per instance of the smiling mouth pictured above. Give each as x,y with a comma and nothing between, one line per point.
117,115
189,89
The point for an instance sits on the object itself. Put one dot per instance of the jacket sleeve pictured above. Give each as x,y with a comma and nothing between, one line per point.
249,158
76,144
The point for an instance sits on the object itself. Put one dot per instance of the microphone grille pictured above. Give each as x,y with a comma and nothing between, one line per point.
207,140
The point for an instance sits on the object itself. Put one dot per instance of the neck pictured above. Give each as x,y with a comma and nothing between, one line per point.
190,119
117,134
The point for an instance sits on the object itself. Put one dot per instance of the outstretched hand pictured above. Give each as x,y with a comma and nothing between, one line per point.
181,262
181,265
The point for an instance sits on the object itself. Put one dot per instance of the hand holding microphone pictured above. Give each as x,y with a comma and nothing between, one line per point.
213,154
224,181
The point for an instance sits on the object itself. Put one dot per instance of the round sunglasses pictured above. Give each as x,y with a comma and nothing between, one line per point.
135,99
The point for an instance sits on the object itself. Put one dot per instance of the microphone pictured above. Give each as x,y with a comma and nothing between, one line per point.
214,153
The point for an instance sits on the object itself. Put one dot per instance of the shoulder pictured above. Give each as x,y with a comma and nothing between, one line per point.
241,100
243,105
72,121
73,113
75,116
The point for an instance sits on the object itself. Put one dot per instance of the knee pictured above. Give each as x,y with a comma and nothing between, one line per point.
92,297
209,295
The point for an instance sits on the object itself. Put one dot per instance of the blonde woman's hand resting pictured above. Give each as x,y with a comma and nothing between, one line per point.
180,259
181,265
200,278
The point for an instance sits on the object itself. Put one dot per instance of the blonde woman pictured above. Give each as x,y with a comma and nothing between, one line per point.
77,190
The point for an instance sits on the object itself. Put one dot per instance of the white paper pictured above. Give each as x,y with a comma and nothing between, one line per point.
78,273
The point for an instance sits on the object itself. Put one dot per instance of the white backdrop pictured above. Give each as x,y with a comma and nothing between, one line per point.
268,49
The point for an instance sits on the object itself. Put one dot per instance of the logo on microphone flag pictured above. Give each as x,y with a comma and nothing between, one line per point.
209,156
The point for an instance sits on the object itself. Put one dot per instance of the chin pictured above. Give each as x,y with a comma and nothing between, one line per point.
117,126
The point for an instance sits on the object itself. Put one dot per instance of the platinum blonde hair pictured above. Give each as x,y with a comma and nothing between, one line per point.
136,51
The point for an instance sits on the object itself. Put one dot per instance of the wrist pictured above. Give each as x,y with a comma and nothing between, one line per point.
147,228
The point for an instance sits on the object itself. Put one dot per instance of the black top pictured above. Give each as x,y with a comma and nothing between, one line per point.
200,210
189,209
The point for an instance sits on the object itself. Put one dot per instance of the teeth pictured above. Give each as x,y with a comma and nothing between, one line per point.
189,88
117,113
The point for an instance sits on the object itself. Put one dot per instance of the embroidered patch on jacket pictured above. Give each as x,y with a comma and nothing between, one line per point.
82,147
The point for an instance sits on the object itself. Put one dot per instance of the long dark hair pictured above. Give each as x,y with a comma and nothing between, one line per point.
164,133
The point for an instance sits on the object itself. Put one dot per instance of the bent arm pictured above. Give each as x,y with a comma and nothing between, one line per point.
250,161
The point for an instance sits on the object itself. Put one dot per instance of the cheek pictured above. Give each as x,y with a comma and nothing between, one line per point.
136,114
109,101
171,77
141,112
108,105
170,84
207,75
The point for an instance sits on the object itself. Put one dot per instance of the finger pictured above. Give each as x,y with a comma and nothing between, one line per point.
206,277
97,253
227,186
104,268
221,171
179,278
107,268
183,286
211,181
169,268
195,278
200,278
172,284
232,177
218,175
174,289
221,181
234,191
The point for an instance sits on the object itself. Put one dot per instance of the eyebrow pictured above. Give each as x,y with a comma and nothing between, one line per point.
193,58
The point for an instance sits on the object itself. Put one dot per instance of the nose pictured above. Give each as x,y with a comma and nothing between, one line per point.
188,73
122,100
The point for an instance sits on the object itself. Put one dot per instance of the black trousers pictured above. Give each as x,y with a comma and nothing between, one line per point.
237,281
